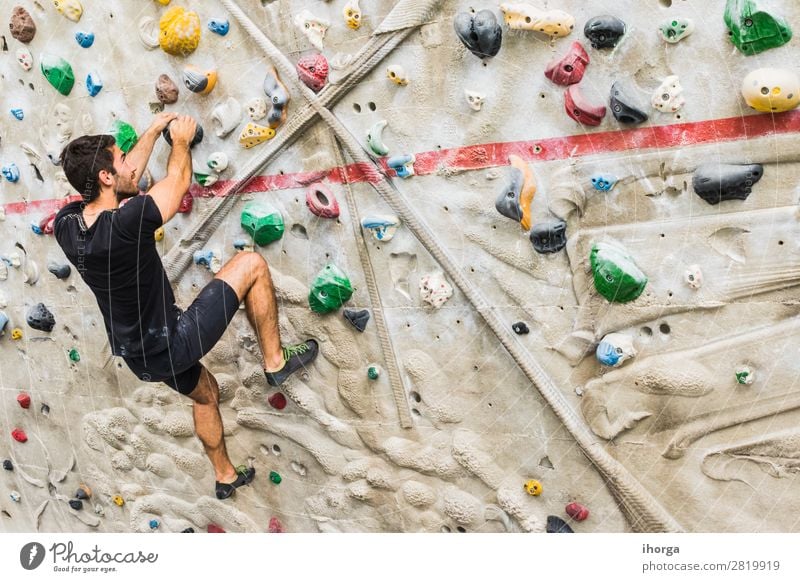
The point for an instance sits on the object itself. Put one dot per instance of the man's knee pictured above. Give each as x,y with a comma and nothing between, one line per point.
207,389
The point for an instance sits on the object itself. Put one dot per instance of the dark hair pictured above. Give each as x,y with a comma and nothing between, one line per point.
83,159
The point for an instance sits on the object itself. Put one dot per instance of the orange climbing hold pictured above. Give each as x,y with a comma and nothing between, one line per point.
527,192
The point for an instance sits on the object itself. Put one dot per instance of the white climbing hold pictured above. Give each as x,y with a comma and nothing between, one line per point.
313,27
257,108
383,226
218,161
474,99
226,116
693,276
668,97
149,32
434,289
25,58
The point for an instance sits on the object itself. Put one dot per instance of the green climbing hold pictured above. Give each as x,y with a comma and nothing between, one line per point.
125,135
616,276
274,477
263,221
58,72
74,355
373,372
754,30
330,289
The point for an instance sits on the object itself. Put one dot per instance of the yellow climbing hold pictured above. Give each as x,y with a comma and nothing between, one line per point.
16,333
533,487
254,134
119,500
180,31
159,234
163,2
352,14
72,9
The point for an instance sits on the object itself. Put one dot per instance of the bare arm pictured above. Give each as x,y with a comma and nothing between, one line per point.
167,193
140,153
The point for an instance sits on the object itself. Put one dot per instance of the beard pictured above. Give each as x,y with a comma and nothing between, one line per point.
125,189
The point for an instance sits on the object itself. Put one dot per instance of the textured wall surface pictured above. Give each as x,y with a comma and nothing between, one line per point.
464,412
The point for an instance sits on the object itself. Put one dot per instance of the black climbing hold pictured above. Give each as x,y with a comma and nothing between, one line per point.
507,202
480,33
60,271
76,504
624,106
188,530
557,525
604,31
45,409
717,182
549,237
198,136
359,319
7,465
39,317
520,328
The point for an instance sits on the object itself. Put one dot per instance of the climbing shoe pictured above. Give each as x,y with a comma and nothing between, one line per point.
295,358
243,477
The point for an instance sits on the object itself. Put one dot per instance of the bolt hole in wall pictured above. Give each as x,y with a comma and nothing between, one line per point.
647,332
664,328
665,3
415,396
277,450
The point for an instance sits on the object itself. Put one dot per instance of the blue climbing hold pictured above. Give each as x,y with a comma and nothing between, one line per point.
93,83
18,113
36,228
3,322
153,523
219,25
85,39
203,257
10,172
402,165
604,182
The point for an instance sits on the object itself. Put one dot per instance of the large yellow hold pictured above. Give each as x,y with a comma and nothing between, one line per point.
254,134
771,90
180,31
72,9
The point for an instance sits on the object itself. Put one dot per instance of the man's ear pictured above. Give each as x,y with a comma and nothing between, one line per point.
106,178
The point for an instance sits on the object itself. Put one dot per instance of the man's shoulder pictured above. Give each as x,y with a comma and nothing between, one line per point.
71,208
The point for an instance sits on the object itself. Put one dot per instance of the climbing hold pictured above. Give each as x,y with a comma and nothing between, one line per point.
474,99
257,108
46,223
279,98
382,226
149,33
24,400
616,276
158,235
274,526
198,135
163,2
198,81
60,270
373,372
533,487
214,528
15,496
577,511
16,334
554,23
579,108
277,401
74,355
480,32
226,116
715,183
520,328
19,435
254,134
10,172
358,319
71,9
604,31
771,90
124,134
263,221
76,504
179,31
275,477
218,161
85,39
402,165
615,349
188,530
220,26
397,74
153,524
321,201
624,106
94,84
145,181
166,90
693,276
435,289
375,138
22,26
549,237
3,322
668,97
515,201
352,14
208,259
58,73
569,69
25,58
186,203
39,317
329,290
313,27
604,182
18,113
118,500
676,29
557,525
312,70
744,375
753,30
241,244
7,465
83,492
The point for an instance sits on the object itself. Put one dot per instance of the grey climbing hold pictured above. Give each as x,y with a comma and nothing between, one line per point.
717,182
480,33
76,504
198,136
604,31
359,319
3,322
507,202
39,317
549,237
624,106
521,328
557,525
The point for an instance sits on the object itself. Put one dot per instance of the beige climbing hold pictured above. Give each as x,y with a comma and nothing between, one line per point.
313,27
526,17
254,134
24,58
179,31
435,289
474,99
668,97
257,108
693,276
397,74
72,9
226,116
772,90
352,14
148,32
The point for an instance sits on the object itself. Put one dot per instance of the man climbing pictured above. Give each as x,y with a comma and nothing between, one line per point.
113,248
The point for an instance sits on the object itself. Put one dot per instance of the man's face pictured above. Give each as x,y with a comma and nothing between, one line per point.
124,180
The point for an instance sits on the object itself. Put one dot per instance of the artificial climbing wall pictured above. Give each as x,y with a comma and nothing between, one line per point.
655,386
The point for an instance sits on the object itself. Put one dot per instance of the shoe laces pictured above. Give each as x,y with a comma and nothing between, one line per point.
289,351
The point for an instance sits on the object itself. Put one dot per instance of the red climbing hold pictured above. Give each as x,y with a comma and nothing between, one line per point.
275,526
277,400
321,201
214,528
46,224
186,203
24,400
577,511
19,435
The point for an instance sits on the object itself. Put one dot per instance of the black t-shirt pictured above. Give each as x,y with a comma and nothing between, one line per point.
117,259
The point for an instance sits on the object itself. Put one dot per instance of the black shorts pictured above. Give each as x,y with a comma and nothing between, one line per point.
198,330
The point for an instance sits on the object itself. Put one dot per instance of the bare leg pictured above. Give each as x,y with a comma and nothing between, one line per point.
208,424
248,274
